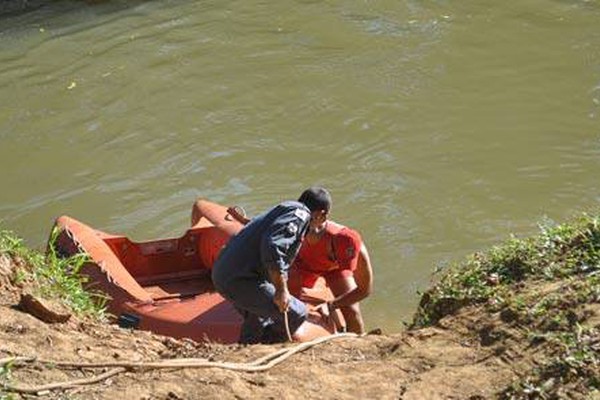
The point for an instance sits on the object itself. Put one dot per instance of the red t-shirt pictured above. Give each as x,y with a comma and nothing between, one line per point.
337,249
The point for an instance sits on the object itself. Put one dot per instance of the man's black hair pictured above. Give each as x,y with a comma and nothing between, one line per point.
316,198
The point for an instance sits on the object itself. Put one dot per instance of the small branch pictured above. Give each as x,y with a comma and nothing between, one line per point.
63,385
9,360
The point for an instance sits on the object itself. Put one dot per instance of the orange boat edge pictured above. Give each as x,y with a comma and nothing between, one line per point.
164,285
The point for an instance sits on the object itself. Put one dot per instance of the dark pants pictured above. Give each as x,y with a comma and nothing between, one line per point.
263,322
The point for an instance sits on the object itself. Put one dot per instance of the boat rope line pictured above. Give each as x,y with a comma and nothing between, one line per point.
259,365
286,322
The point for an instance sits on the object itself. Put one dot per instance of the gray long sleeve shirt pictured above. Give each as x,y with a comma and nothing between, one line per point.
269,241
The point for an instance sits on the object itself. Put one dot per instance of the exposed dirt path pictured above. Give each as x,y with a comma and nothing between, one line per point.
470,355
432,363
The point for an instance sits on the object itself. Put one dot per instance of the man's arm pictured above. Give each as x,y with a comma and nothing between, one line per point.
282,294
363,276
279,247
238,214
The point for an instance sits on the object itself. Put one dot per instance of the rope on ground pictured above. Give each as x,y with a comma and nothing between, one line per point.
259,365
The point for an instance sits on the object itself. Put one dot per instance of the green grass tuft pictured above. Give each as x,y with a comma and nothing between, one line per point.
542,285
559,252
5,379
54,277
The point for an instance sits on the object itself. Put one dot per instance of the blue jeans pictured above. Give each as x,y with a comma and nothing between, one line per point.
263,322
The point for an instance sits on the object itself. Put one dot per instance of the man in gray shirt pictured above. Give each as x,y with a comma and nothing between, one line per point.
251,271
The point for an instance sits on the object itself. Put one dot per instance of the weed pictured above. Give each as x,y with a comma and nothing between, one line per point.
541,285
5,371
53,276
559,252
5,377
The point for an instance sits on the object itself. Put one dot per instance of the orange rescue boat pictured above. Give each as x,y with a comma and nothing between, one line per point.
164,285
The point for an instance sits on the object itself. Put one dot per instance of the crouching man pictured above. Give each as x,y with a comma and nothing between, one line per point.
252,270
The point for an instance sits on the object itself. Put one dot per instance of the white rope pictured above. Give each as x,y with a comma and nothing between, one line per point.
261,364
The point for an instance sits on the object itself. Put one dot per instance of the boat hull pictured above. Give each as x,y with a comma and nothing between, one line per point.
164,285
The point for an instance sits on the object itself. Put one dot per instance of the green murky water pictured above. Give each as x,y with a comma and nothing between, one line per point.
440,127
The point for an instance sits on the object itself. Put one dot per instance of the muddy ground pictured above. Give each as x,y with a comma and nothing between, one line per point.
456,359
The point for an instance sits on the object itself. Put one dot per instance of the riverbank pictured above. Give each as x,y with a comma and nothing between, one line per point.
518,321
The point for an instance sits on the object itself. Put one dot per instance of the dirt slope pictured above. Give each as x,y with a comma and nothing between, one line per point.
472,354
432,363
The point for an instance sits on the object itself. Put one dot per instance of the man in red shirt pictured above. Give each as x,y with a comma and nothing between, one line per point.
338,254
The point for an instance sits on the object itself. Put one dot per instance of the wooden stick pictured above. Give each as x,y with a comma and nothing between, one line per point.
63,385
8,360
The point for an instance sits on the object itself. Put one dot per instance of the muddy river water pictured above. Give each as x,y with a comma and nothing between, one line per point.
440,127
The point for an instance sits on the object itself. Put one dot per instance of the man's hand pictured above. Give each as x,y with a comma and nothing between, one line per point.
282,294
324,310
282,299
330,316
238,214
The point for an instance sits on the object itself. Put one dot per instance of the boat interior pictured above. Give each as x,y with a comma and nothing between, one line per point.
168,269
